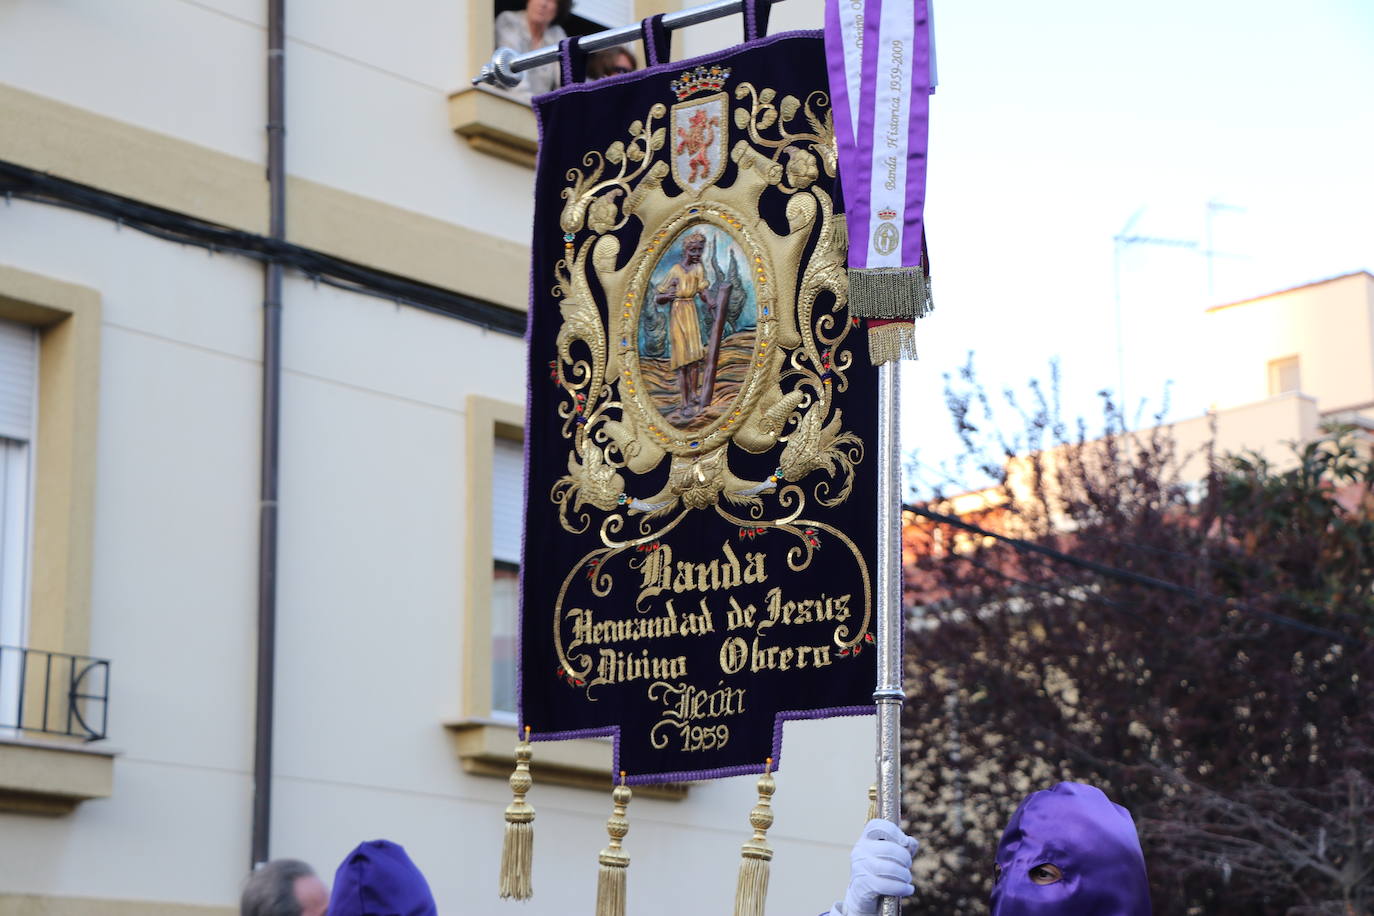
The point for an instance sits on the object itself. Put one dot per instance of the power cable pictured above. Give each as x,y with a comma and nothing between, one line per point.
23,183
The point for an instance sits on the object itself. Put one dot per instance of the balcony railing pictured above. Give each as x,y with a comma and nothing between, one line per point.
54,693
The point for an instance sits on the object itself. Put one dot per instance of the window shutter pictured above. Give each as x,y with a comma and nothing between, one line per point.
18,380
507,499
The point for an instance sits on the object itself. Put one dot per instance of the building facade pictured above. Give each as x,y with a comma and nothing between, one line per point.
1284,365
132,389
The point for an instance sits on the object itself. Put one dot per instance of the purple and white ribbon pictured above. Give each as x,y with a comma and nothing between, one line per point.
879,59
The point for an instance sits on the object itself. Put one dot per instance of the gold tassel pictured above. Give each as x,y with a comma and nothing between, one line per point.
752,890
872,803
517,851
610,879
891,340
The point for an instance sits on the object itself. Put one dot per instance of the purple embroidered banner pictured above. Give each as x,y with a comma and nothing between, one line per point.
701,485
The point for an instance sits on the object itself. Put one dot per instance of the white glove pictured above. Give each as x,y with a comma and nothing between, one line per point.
879,866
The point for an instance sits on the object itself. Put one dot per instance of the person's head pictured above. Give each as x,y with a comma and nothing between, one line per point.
692,247
284,887
545,13
610,62
378,877
1069,851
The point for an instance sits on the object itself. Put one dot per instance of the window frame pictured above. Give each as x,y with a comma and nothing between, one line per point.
49,775
483,739
487,420
67,318
1277,368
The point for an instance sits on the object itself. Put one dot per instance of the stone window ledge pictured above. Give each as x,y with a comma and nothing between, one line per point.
486,748
51,778
495,123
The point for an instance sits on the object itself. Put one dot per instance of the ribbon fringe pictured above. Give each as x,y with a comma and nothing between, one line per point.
892,340
889,292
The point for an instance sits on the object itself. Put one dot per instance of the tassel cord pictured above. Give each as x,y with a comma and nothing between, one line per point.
752,890
611,879
517,848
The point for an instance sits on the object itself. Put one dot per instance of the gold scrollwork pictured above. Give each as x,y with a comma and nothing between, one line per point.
800,352
787,368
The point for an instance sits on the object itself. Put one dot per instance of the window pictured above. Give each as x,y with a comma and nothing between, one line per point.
494,522
507,515
1284,376
18,391
585,17
484,730
501,124
65,320
49,412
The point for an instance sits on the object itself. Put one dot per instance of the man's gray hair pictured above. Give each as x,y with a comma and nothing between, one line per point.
271,889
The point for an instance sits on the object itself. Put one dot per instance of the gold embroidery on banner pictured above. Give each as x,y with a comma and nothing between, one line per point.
714,338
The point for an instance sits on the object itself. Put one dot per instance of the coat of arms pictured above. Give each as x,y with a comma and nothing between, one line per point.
700,131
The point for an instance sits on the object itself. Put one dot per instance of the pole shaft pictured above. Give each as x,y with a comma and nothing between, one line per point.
888,694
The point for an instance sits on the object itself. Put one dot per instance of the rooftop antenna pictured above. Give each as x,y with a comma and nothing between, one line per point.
1120,242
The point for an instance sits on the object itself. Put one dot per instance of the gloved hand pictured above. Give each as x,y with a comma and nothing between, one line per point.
879,866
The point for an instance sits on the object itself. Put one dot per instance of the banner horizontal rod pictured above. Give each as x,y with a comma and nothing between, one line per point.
505,66
505,63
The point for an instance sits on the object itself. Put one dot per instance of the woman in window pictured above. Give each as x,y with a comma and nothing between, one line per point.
534,27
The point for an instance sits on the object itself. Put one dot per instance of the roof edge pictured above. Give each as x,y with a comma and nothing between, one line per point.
1291,289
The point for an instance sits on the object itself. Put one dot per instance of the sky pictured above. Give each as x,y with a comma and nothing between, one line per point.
1058,124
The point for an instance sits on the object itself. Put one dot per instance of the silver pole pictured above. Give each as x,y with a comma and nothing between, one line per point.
505,66
889,695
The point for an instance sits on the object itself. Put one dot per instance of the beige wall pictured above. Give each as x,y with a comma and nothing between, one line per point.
367,88
1265,427
1329,326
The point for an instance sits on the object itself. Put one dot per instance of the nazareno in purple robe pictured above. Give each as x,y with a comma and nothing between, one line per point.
378,879
1090,839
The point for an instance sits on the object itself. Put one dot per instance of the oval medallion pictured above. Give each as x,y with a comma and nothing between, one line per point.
698,324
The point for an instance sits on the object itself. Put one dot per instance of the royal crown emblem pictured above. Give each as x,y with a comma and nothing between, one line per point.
887,213
702,79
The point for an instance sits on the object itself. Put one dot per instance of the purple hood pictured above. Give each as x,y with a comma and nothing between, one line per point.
1089,839
378,879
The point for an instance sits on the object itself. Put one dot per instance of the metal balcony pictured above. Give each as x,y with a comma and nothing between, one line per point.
54,693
